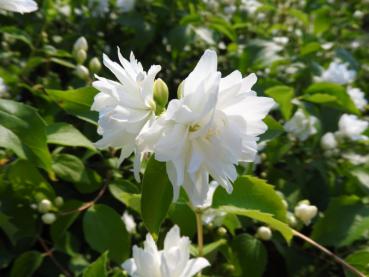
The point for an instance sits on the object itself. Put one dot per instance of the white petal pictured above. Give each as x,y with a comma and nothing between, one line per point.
194,266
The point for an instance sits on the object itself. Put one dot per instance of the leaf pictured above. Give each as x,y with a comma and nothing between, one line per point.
182,215
283,95
322,20
120,191
24,122
251,255
8,227
209,248
331,95
267,218
345,221
157,195
274,128
310,48
252,193
97,268
28,183
10,141
360,260
26,264
76,102
67,135
104,230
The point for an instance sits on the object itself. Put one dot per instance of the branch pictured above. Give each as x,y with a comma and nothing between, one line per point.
329,253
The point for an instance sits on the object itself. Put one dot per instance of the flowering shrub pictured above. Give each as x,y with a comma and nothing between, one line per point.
184,138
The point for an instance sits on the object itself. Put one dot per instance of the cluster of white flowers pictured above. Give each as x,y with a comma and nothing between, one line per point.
302,125
173,261
358,97
213,126
338,72
20,6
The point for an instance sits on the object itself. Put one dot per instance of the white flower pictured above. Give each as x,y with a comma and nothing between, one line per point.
3,88
126,5
98,7
358,97
301,125
209,130
327,45
305,212
129,221
281,40
355,158
20,6
350,126
124,107
249,5
338,72
173,261
213,217
328,141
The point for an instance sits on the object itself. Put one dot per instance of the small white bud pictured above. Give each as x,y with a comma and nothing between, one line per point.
291,219
305,212
59,201
80,44
81,56
264,233
161,93
48,218
44,206
33,206
328,141
94,65
82,72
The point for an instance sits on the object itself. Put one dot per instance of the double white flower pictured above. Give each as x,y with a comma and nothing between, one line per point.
20,6
338,72
302,125
173,261
125,107
351,127
209,130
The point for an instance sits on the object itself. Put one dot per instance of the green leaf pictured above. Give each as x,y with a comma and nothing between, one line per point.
76,102
267,218
345,221
9,140
251,254
24,122
182,215
8,227
157,195
252,193
283,95
310,48
274,128
26,264
121,191
331,95
209,248
360,260
322,20
104,230
28,183
67,135
97,268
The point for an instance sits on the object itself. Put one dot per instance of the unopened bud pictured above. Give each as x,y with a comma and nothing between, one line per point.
180,91
222,231
82,72
305,212
44,206
80,44
291,219
59,201
264,233
161,93
328,141
81,56
33,206
94,65
48,218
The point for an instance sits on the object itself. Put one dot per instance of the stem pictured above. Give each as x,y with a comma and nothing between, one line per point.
200,232
329,253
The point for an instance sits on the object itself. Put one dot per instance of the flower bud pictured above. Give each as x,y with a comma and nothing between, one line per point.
44,206
33,206
328,141
222,231
264,233
291,219
180,91
80,44
82,72
94,65
48,218
160,95
305,212
59,201
80,56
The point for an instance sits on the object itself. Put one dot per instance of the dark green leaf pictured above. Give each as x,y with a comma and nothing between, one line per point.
97,268
26,264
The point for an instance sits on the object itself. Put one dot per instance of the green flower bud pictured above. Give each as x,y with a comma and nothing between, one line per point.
80,44
48,218
59,201
82,72
180,90
222,231
94,65
161,93
44,206
81,56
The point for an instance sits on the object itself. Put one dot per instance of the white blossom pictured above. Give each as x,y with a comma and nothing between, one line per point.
129,221
3,88
126,106
302,125
249,6
328,141
209,130
98,7
356,159
305,212
281,40
358,97
213,216
126,5
20,6
338,72
351,127
173,261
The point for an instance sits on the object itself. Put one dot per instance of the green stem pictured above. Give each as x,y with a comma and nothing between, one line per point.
200,232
